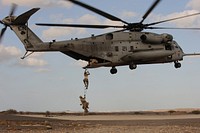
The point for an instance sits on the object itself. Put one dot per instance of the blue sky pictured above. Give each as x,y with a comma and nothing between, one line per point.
53,81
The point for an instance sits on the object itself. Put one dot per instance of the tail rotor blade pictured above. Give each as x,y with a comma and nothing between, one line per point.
1,22
2,33
13,9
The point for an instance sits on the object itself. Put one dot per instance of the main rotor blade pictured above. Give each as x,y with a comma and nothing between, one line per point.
80,25
167,20
100,12
13,9
172,28
150,10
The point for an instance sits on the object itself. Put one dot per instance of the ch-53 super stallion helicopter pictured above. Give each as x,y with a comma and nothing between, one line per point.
127,46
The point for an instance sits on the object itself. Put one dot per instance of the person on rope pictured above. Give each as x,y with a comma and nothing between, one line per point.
85,80
84,103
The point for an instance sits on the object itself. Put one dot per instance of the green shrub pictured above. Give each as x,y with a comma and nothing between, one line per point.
195,112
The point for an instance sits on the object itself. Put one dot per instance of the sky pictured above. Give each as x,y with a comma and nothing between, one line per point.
53,81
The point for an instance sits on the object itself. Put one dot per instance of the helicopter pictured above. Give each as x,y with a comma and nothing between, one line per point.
128,46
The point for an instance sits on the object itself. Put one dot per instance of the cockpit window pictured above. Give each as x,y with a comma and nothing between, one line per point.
116,48
175,44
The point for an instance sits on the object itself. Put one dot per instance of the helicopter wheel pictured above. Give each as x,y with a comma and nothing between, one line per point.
177,64
113,70
132,66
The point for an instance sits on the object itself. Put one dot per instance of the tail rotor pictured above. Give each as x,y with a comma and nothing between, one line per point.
7,21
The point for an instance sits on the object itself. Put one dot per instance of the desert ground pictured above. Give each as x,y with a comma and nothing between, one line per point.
100,123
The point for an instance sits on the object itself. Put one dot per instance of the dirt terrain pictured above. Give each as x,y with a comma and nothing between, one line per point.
100,123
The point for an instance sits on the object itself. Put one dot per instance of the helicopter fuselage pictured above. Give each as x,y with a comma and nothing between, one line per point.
118,48
109,50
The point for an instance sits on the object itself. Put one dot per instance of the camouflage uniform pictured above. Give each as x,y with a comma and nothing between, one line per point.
85,80
84,103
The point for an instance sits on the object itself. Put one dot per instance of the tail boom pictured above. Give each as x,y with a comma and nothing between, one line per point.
24,33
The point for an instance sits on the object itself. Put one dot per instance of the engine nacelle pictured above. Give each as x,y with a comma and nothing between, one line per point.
156,39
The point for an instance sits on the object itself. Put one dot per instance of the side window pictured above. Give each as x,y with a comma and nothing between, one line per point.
168,47
131,48
116,48
124,48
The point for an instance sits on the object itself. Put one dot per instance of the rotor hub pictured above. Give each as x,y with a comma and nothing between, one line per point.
8,20
135,27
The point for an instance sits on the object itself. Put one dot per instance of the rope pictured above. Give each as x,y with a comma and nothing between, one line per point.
85,92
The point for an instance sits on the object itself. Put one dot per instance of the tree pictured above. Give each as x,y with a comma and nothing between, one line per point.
171,111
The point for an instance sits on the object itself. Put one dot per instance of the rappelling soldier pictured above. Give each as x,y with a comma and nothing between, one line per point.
84,103
85,80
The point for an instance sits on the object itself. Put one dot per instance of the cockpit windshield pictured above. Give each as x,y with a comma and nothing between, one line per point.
175,44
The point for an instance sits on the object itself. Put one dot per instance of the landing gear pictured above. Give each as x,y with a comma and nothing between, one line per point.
132,66
113,70
177,64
